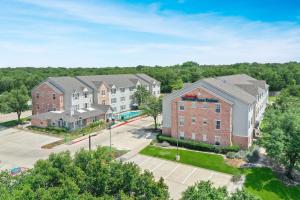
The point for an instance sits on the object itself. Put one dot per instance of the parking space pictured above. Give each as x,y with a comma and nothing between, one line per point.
21,148
179,176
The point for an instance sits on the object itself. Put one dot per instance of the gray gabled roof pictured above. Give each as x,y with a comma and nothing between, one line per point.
118,80
68,84
231,90
246,83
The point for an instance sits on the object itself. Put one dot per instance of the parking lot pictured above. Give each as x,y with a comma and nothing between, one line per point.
21,148
179,176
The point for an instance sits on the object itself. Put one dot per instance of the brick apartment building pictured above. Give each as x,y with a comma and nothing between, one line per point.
74,102
223,110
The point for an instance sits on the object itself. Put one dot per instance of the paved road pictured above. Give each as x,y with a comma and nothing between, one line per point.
179,176
13,116
20,148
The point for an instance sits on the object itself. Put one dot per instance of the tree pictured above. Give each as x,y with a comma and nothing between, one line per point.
177,84
17,100
281,137
152,107
204,190
90,175
141,94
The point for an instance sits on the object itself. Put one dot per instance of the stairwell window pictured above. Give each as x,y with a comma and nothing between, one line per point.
218,124
218,108
181,106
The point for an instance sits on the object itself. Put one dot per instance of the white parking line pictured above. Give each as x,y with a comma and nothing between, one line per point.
189,175
157,166
144,161
172,171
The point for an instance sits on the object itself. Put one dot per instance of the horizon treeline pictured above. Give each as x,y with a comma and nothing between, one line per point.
277,75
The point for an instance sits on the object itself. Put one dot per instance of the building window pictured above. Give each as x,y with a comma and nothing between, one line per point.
85,95
193,120
131,89
113,90
131,97
114,100
181,106
103,92
181,133
114,109
122,89
193,136
86,105
37,95
194,105
94,119
218,108
53,96
181,121
218,124
204,121
217,140
204,138
123,107
38,106
103,102
122,99
76,107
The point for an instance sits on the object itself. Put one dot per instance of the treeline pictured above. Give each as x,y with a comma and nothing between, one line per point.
278,76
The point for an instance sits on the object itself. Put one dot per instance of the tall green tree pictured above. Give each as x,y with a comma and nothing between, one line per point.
17,100
204,190
281,137
141,94
89,175
152,107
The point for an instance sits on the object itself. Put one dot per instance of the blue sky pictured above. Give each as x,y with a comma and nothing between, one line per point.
128,33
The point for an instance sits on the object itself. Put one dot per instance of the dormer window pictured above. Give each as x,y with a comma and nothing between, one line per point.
53,96
103,92
85,95
37,95
113,90
122,89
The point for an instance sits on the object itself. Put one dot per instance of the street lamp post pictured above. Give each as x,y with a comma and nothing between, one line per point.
90,144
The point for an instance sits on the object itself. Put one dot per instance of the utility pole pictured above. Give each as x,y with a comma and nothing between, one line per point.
90,145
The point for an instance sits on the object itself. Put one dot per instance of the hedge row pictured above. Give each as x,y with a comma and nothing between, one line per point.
195,145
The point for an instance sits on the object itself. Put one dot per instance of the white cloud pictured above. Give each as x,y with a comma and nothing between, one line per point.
206,38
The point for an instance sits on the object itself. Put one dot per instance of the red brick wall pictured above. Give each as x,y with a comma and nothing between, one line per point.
200,114
45,102
243,142
39,123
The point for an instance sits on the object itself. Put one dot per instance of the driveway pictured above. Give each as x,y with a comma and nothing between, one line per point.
179,176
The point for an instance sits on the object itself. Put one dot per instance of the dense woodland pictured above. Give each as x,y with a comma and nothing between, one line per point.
277,76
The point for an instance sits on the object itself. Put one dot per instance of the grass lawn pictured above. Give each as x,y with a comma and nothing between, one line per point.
262,182
13,123
199,159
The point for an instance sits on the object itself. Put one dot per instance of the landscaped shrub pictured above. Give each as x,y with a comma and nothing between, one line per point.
236,178
253,156
241,154
195,145
230,155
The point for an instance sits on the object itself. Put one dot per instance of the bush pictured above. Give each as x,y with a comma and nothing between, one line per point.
195,145
230,155
241,154
253,156
236,178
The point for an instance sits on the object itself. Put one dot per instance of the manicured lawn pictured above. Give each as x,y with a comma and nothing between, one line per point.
199,159
263,183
